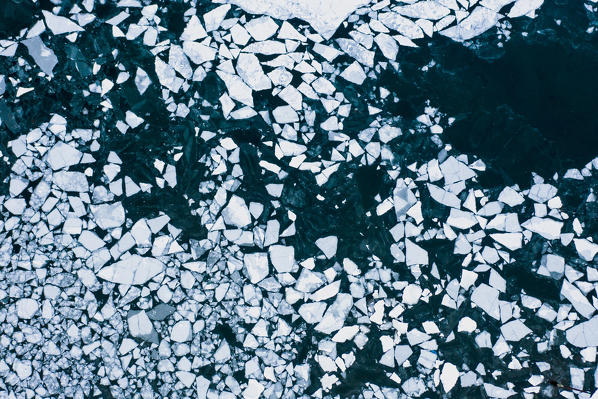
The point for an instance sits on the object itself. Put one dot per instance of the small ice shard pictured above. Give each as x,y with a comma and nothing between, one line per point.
327,245
416,255
479,21
427,9
514,330
43,56
335,315
524,7
236,212
584,334
59,25
282,257
467,324
140,326
134,270
324,16
108,216
402,353
202,384
26,308
181,331
22,368
486,298
257,266
403,198
449,376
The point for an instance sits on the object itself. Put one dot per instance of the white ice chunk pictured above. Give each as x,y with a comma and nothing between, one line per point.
250,70
167,76
514,330
90,240
494,391
312,312
199,52
134,270
427,9
236,212
461,219
71,181
194,30
387,45
523,7
486,298
449,376
354,73
59,25
411,294
585,249
26,308
546,227
214,18
584,334
257,266
108,216
335,315
415,255
140,326
357,51
285,114
510,197
282,257
404,26
577,299
324,16
181,331
511,241
237,89
444,197
261,28
178,60
479,21
327,245
542,192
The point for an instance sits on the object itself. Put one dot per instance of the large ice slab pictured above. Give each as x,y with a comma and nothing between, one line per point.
323,15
